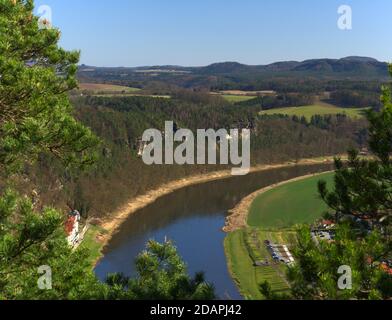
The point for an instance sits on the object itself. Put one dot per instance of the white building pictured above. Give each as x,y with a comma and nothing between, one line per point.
72,227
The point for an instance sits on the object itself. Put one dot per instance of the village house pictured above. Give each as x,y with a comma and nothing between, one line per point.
72,228
386,266
323,230
328,224
364,152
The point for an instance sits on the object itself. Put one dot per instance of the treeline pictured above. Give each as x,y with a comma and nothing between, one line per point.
279,101
149,112
281,137
356,98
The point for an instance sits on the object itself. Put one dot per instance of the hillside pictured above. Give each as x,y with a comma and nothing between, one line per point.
120,122
348,67
311,76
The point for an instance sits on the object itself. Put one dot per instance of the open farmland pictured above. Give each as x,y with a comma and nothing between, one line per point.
248,93
236,98
272,217
289,204
312,110
243,248
106,88
109,90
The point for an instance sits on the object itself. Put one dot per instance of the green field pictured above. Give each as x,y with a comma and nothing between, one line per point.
241,265
289,204
109,91
243,248
109,88
309,111
236,98
91,243
132,95
271,216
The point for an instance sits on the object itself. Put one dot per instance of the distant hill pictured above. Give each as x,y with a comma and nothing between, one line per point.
350,65
353,65
283,75
359,59
224,68
282,66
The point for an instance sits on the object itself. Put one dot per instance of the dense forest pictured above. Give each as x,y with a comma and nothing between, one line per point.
280,101
119,122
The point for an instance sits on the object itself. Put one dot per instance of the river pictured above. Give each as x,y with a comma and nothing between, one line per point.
193,218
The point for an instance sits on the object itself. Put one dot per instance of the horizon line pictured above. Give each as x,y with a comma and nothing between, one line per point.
221,62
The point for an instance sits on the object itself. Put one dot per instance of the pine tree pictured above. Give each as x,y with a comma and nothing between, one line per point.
161,275
36,74
361,201
36,118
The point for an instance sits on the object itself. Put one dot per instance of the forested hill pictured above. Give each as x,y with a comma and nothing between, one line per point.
119,116
231,74
120,122
355,66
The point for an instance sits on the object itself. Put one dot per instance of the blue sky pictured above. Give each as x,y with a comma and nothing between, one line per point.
200,32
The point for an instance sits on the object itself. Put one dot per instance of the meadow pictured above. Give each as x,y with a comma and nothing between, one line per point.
317,109
109,91
289,204
248,93
272,216
236,98
243,248
109,88
93,244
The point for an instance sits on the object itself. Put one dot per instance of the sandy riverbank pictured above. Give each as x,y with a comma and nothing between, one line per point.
111,224
239,214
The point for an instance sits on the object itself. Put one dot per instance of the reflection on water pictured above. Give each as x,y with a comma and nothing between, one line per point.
193,218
